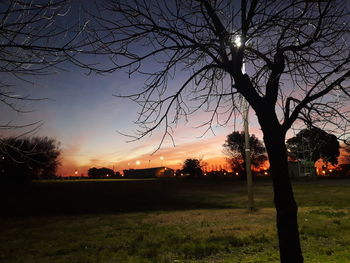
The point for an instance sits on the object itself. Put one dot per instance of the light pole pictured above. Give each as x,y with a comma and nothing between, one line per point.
248,157
246,142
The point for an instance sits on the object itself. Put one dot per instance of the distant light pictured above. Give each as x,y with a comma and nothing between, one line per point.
162,158
165,168
265,173
76,172
323,172
237,173
182,174
224,173
238,41
107,175
138,162
330,170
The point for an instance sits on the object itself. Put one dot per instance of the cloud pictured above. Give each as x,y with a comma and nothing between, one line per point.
208,149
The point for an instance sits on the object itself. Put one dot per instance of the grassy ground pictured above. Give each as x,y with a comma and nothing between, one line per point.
167,221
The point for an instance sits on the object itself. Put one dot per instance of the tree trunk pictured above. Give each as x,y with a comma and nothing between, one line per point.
286,207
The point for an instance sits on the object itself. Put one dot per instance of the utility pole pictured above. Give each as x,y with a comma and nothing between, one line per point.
238,42
248,157
247,151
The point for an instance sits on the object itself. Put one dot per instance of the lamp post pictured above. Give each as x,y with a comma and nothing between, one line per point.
246,141
248,157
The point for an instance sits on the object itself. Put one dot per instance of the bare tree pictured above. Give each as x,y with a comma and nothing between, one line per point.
25,159
296,55
35,38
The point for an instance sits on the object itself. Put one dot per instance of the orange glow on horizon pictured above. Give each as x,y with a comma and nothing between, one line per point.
210,152
209,164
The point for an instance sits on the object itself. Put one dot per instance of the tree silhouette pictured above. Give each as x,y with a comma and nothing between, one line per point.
101,173
36,38
235,149
345,157
344,160
295,54
314,144
192,167
25,159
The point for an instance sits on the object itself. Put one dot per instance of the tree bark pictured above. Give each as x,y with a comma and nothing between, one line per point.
286,207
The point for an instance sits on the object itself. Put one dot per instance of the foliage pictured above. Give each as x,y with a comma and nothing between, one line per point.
25,159
102,173
343,169
345,154
192,167
235,148
314,144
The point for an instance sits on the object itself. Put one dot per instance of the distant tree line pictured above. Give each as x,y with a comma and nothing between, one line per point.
308,145
99,173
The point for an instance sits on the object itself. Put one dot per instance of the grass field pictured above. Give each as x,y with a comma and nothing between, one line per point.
167,221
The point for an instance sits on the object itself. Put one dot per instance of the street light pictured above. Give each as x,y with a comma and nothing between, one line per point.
161,158
238,41
138,162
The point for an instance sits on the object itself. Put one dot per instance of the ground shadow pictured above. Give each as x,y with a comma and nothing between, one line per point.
91,197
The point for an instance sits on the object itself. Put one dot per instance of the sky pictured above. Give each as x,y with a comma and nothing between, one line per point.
82,114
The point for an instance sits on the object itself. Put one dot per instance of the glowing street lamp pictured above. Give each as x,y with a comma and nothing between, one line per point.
138,162
161,158
238,41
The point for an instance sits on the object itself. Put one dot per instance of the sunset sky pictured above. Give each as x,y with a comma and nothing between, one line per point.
80,111
83,115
